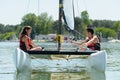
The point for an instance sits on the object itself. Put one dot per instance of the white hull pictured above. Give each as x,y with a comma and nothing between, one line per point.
96,60
22,60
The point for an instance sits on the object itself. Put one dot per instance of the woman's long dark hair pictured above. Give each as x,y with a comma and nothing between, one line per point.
24,32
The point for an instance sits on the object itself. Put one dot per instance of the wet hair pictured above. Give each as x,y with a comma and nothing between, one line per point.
90,30
24,30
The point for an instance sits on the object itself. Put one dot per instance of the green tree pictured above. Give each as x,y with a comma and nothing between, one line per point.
44,24
105,23
18,30
9,28
85,18
116,26
106,32
6,36
1,28
79,27
30,20
55,26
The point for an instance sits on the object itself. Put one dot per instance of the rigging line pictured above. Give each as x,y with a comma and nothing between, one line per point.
74,17
73,10
28,6
38,7
85,5
67,28
79,33
77,7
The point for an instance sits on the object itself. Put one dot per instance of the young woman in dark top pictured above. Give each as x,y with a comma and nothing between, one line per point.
25,41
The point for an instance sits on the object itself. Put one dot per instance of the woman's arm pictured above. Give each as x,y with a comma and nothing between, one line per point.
25,39
33,44
78,43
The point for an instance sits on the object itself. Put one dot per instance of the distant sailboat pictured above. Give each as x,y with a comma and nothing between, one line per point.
96,59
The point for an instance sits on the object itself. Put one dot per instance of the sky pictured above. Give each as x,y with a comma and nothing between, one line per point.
12,11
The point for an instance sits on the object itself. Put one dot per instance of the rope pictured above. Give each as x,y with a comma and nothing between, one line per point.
85,5
77,7
28,6
38,7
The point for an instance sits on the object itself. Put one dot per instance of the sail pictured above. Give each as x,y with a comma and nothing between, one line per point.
68,13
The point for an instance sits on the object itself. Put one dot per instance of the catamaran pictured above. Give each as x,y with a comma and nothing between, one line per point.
97,59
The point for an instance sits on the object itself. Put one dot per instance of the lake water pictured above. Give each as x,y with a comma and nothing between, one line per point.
43,69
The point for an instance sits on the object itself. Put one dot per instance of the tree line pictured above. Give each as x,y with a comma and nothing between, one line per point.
44,24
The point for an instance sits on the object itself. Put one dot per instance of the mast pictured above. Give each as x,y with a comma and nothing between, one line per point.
60,24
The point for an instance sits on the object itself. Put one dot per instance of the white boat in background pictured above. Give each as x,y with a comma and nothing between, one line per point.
115,41
96,60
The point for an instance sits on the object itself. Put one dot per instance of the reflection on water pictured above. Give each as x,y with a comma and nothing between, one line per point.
23,70
96,75
73,65
83,75
23,75
61,72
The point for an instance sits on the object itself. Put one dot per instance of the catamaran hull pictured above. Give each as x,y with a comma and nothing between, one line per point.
96,60
22,60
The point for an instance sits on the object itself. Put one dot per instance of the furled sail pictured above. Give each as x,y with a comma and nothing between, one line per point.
69,13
